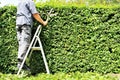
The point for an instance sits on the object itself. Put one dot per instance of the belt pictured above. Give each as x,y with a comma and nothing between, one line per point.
23,25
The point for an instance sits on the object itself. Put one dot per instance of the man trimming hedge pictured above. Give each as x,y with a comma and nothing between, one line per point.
26,10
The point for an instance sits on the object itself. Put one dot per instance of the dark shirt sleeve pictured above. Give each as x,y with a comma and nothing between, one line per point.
32,7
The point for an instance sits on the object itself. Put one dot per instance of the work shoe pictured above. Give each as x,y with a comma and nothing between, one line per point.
25,67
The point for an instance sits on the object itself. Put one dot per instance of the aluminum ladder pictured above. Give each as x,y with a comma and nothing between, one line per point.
32,47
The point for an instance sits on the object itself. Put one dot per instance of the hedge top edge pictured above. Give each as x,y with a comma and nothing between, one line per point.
77,5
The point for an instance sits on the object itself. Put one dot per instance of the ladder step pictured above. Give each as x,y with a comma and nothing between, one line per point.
36,48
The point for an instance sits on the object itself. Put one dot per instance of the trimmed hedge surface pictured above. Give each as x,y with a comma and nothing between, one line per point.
59,76
77,39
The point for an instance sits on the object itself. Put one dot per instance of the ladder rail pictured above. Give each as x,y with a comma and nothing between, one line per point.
35,41
43,55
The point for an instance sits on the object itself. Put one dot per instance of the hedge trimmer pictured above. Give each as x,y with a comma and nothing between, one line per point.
49,15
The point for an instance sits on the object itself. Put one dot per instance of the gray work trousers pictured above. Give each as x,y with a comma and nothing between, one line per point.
24,38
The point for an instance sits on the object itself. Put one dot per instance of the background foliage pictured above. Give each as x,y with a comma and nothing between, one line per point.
82,2
78,39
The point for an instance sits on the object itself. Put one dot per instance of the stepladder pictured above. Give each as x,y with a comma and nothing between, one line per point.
32,47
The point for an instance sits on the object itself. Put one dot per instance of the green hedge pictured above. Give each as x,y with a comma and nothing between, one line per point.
77,39
8,43
60,76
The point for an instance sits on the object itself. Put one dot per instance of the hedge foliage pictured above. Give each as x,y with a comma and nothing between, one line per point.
77,39
59,76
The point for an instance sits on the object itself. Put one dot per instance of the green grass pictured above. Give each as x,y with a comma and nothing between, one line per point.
59,76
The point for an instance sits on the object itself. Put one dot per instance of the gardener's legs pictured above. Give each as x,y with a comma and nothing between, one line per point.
24,37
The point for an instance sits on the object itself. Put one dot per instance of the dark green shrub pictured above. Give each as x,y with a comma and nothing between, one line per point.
77,39
8,45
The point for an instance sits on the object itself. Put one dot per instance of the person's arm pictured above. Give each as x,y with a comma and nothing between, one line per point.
39,19
32,8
